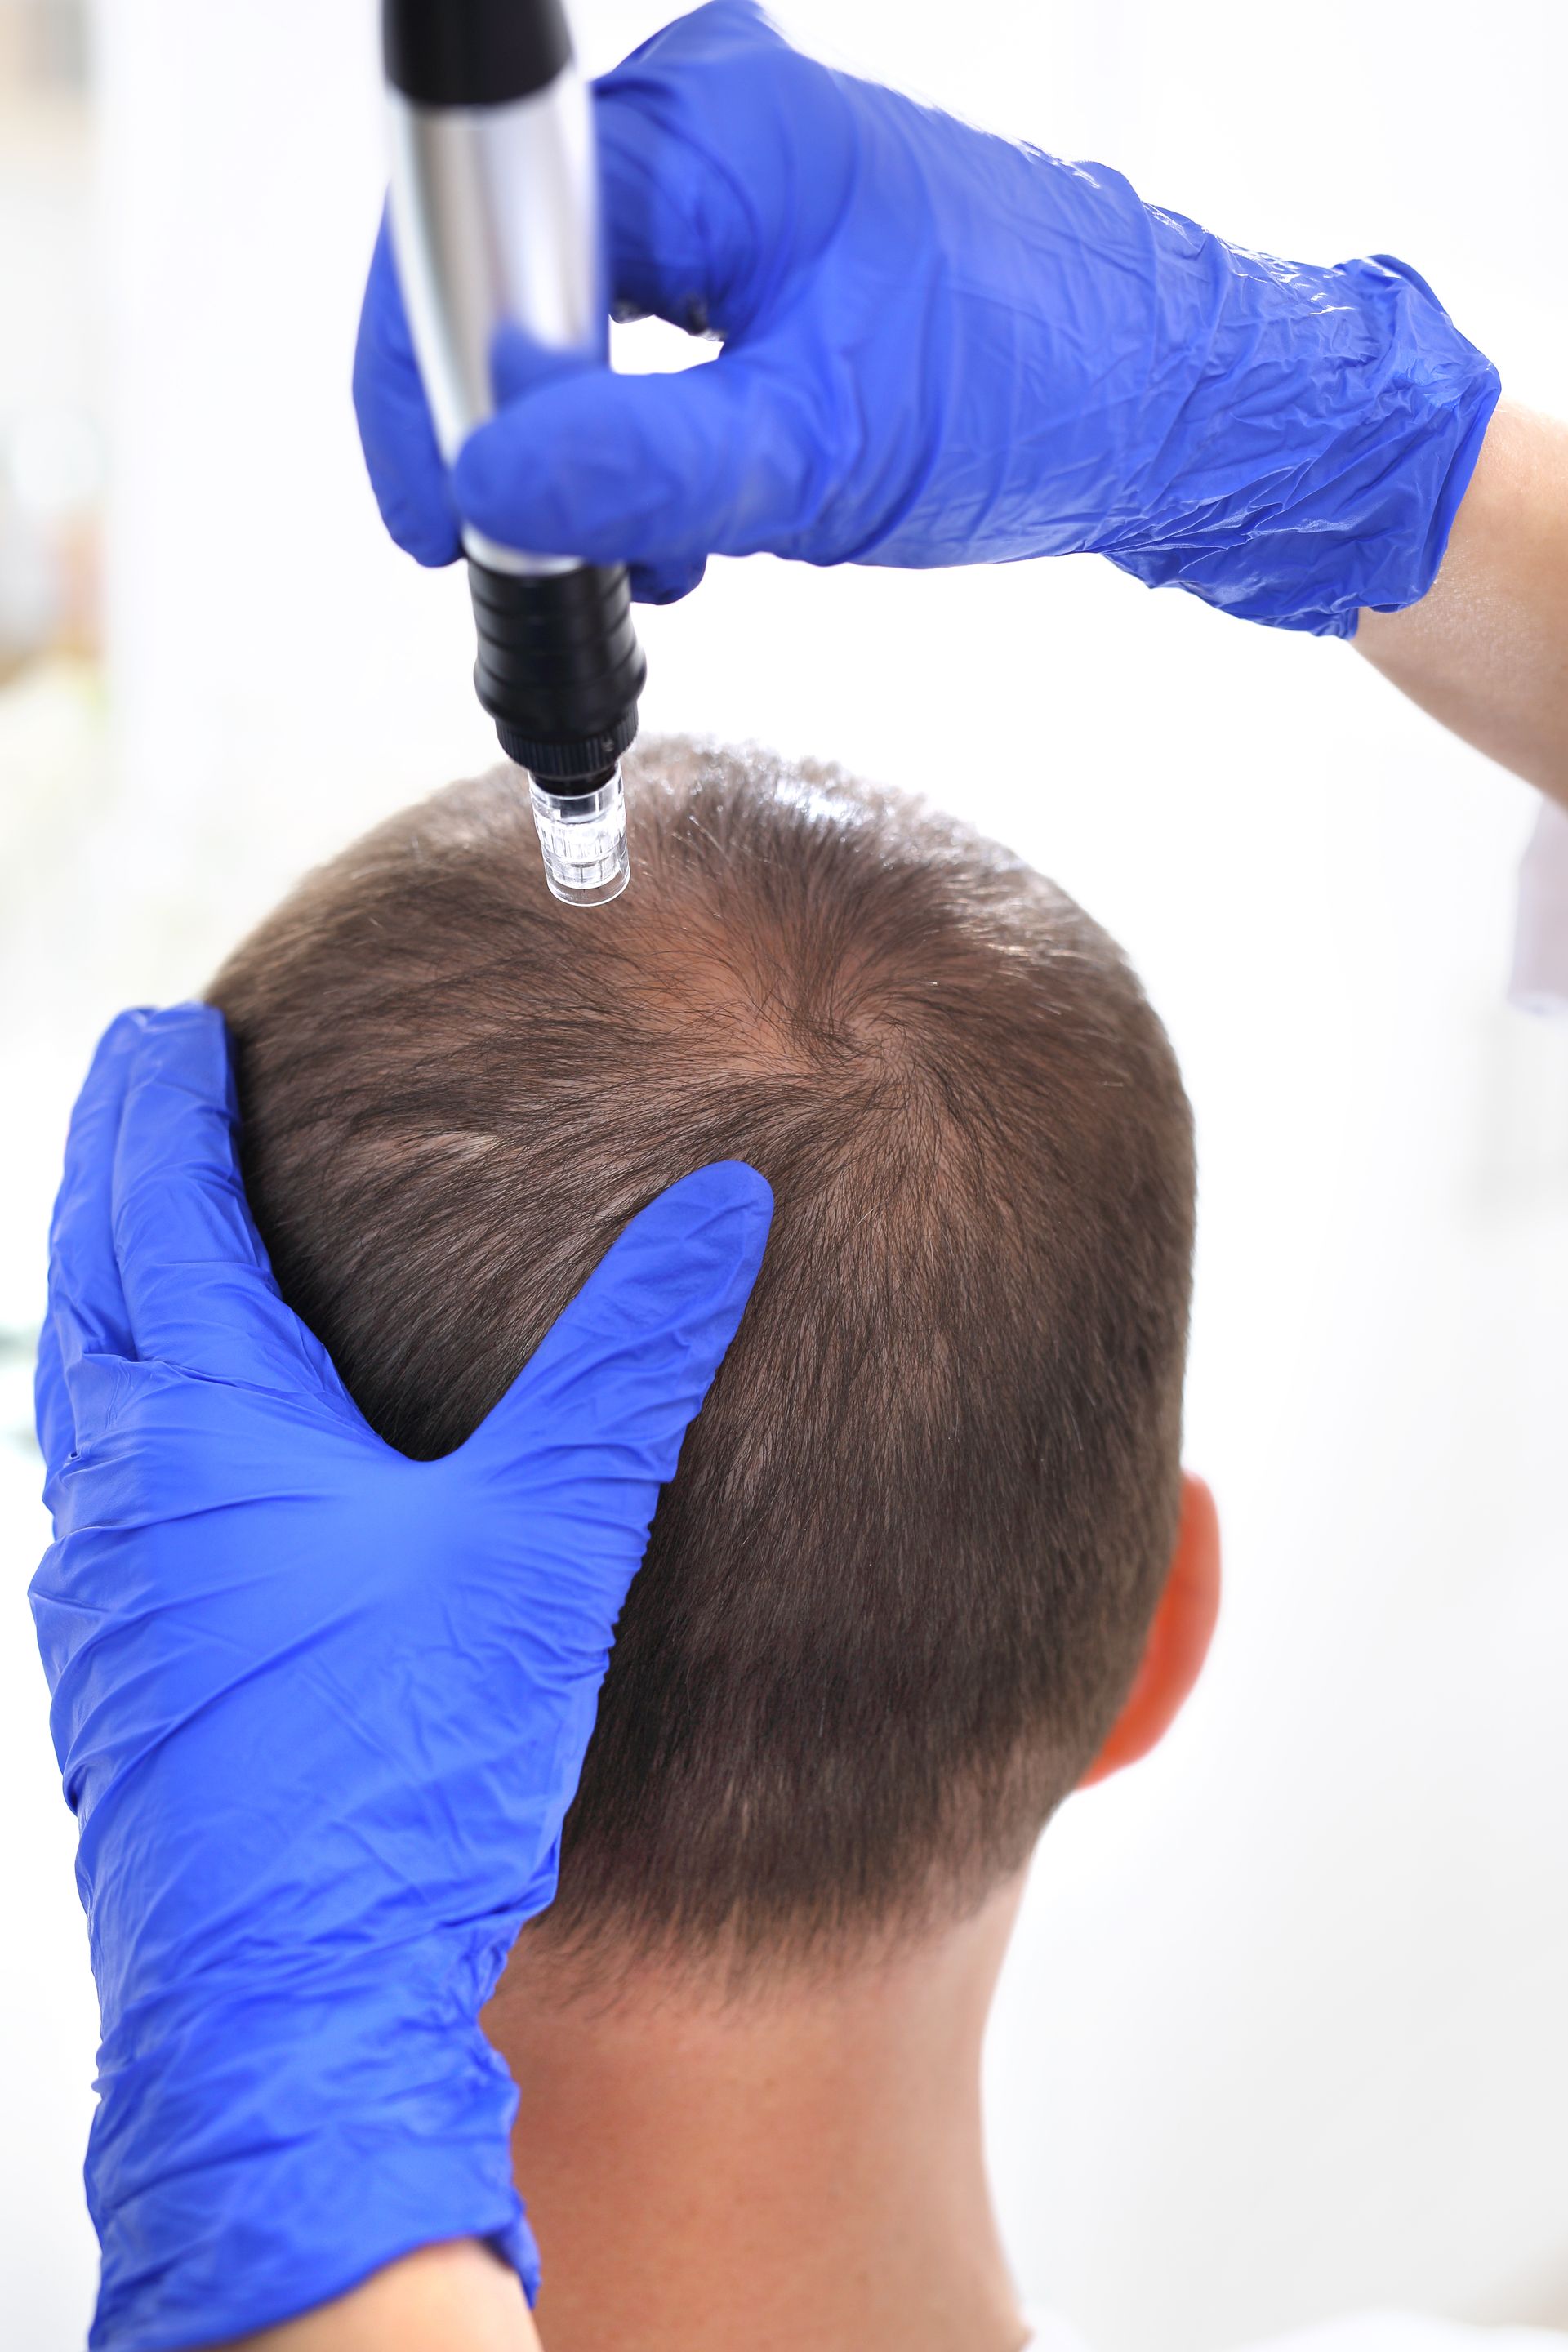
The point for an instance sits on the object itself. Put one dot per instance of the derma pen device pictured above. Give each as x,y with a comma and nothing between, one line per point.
495,226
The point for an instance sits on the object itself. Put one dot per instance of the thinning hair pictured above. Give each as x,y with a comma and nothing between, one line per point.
902,1579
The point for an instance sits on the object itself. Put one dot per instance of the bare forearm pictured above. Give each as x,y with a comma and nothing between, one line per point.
1486,650
449,2299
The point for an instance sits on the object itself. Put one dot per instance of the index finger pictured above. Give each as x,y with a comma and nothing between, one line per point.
86,1315
198,1286
86,1303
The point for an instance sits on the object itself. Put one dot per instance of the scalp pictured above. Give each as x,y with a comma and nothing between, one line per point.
900,1581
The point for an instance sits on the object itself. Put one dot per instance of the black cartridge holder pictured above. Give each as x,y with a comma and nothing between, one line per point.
559,669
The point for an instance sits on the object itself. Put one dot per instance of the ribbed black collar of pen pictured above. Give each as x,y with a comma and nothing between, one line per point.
473,52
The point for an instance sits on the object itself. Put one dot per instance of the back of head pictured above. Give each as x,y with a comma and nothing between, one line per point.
899,1585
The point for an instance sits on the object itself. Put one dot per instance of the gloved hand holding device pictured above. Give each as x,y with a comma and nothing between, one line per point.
942,348
319,1709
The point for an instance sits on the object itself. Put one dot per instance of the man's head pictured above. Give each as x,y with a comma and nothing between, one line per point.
900,1586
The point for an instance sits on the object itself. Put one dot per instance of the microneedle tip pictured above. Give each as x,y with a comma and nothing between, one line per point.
583,837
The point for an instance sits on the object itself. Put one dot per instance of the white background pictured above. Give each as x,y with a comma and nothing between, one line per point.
1283,2029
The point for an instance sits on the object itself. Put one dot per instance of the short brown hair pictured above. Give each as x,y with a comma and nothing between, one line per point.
900,1581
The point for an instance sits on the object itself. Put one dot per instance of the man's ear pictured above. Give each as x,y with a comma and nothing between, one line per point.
1178,1639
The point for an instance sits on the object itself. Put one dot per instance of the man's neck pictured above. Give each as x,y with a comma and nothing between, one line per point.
800,2165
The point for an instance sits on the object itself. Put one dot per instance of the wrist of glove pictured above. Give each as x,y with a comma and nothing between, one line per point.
320,1709
1317,434
264,2141
942,347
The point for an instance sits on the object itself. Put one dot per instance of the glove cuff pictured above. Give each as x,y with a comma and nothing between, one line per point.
1322,475
238,2178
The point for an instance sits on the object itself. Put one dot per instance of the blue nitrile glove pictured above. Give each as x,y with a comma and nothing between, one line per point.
319,1709
944,348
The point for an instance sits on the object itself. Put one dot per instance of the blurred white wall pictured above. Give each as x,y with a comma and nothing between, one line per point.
1283,2029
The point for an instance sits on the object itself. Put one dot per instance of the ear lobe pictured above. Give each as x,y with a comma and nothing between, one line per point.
1178,1640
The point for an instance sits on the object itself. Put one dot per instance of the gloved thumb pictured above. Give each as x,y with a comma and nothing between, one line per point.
720,459
594,1420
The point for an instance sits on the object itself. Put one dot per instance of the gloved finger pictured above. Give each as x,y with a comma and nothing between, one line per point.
87,1304
395,430
198,1286
661,470
52,1414
604,1401
684,228
665,583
